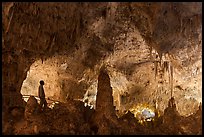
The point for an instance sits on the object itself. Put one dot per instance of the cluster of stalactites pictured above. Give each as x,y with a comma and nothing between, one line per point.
162,68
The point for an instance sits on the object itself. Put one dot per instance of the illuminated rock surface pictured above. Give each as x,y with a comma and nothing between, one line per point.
151,51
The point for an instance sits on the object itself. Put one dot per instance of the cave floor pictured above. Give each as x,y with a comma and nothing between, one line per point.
74,119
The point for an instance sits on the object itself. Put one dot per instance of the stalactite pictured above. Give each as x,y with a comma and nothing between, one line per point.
155,66
181,25
119,101
165,67
160,57
42,60
10,7
150,52
171,79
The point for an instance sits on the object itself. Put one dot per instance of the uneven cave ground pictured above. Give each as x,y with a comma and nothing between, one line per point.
123,61
73,118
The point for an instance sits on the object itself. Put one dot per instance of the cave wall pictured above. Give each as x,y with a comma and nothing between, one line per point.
113,33
12,79
38,38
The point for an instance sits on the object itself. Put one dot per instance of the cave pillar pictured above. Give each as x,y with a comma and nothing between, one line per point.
104,117
104,98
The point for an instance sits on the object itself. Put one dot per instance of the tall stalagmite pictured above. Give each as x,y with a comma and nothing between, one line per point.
104,117
104,101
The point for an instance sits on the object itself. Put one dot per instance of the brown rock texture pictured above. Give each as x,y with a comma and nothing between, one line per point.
32,108
151,51
104,98
104,116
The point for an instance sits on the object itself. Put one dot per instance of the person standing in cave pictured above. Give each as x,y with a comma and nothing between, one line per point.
41,95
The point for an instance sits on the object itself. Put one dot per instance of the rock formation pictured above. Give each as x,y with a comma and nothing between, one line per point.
152,51
104,116
32,108
104,98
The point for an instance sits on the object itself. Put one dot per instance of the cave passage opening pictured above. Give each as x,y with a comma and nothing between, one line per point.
46,71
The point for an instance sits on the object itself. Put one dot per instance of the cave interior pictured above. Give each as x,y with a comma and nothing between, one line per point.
110,68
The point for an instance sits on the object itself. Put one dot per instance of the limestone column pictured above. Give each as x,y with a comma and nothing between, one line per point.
104,98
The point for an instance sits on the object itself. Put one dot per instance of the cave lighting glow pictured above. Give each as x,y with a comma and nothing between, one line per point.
143,112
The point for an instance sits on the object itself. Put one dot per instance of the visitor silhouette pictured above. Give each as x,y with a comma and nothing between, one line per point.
41,95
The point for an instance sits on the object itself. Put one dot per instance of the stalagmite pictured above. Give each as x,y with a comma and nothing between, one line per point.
105,111
65,44
104,102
